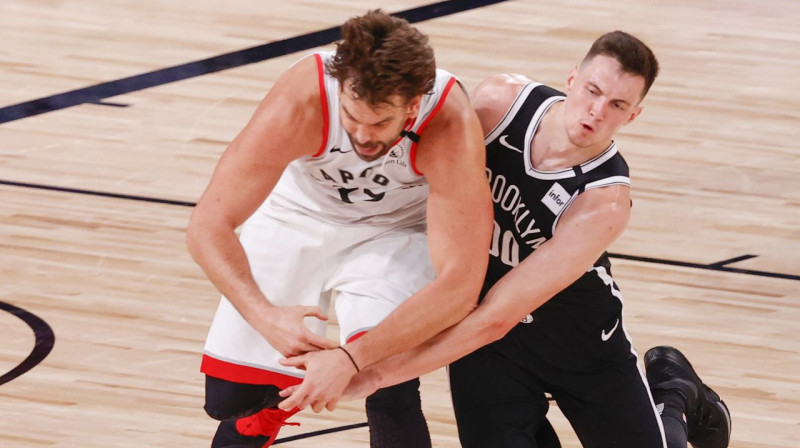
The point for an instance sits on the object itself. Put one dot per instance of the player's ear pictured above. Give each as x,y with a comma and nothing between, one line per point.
571,78
412,108
634,113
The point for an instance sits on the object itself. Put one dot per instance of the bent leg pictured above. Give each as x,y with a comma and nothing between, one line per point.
247,412
611,407
497,403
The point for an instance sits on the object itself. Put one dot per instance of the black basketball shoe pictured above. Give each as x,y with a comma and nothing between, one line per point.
707,417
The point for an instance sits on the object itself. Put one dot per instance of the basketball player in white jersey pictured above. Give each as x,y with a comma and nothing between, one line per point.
360,177
551,312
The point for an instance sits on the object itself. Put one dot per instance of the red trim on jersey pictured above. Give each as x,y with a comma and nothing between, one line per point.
356,336
245,374
445,92
324,98
406,127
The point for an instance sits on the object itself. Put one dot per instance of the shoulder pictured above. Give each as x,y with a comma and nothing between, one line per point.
494,96
455,106
300,83
451,114
610,204
290,108
455,125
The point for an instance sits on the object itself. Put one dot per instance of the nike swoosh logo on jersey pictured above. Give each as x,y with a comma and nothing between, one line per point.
339,150
504,141
606,336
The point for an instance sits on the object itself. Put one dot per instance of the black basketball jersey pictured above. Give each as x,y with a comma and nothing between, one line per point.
529,202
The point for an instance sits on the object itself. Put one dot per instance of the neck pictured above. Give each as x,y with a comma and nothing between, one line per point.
552,149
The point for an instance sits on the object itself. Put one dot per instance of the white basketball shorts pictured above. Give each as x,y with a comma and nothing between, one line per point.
297,259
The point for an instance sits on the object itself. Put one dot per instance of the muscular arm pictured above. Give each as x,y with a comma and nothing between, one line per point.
585,230
245,174
452,157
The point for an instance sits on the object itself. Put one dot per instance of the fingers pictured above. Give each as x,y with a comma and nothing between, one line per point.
320,405
289,391
314,311
325,343
295,361
298,399
319,342
307,342
291,402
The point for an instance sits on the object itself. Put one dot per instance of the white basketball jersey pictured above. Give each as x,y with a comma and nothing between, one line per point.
336,185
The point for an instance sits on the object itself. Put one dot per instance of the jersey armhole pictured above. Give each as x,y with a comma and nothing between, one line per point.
324,99
511,113
413,155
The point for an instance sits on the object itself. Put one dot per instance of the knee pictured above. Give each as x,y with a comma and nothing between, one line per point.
216,413
403,395
226,400
224,408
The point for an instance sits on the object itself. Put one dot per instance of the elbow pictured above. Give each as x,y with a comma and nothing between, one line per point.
468,305
191,238
466,300
194,237
498,315
495,327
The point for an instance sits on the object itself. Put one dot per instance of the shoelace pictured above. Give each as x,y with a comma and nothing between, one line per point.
266,423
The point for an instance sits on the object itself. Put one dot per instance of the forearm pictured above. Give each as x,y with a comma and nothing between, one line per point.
437,306
217,250
473,332
502,308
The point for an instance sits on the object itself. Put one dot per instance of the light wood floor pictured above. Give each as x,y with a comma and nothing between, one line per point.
715,168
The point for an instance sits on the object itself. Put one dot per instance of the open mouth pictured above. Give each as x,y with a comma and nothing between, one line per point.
369,150
366,150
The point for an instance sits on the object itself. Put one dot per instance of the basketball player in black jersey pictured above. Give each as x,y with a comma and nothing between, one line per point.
551,312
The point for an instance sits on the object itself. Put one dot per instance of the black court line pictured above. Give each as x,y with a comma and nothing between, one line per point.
719,266
96,93
110,103
711,267
722,263
97,193
45,339
320,432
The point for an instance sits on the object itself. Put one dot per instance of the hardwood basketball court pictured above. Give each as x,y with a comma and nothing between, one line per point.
113,114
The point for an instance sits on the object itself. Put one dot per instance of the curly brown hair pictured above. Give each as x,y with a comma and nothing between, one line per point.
381,56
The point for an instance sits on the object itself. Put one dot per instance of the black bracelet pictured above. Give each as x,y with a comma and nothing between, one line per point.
351,358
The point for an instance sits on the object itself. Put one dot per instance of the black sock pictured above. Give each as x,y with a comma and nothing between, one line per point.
672,407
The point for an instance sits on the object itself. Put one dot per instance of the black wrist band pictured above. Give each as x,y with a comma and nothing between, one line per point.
351,358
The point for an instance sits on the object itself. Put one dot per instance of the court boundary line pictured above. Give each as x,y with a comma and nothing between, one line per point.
44,336
720,266
95,94
320,432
